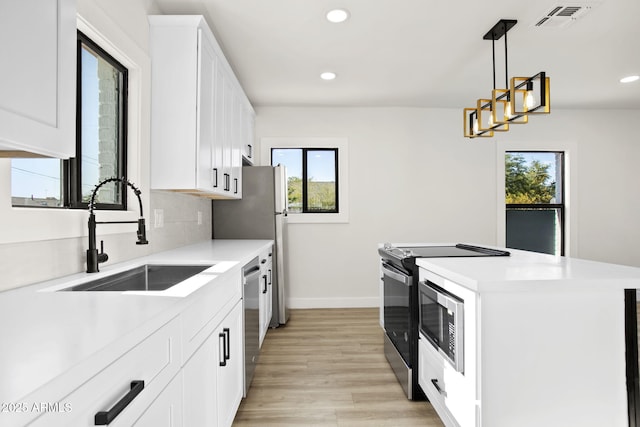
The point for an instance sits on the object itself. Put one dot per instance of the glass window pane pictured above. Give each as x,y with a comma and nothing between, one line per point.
535,229
100,133
533,178
36,182
291,159
321,181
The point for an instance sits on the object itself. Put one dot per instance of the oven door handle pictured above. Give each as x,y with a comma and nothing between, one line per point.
396,276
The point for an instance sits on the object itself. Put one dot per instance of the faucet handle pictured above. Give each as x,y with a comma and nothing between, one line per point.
102,257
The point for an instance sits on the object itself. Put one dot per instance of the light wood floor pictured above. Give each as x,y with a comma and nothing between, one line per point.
326,367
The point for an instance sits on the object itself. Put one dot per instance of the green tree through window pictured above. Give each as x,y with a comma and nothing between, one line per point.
528,183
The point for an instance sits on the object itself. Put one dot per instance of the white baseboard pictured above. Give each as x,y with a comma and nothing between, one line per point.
333,302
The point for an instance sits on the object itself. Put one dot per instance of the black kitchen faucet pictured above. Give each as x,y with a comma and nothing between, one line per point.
93,257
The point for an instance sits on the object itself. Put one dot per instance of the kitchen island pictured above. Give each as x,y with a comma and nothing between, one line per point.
544,342
56,342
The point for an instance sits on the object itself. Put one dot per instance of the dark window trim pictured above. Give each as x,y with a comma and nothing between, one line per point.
560,206
73,167
305,150
632,372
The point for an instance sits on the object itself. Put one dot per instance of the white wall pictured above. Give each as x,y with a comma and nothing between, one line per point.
38,244
414,178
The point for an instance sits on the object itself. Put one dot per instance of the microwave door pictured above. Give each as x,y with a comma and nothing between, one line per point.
430,317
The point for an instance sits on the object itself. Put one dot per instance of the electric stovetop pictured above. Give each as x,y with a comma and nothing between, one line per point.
407,253
459,250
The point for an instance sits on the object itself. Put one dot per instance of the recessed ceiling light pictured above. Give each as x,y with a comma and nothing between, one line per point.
337,15
328,76
629,79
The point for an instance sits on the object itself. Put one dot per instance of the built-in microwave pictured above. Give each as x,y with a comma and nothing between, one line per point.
442,322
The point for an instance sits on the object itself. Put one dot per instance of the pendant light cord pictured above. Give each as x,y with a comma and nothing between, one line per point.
493,51
506,62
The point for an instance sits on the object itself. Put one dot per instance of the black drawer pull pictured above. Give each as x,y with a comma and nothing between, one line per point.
440,390
223,348
103,418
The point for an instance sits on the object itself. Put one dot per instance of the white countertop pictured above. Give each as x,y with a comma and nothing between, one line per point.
46,333
530,271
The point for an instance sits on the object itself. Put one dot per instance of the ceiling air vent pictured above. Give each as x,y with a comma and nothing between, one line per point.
562,15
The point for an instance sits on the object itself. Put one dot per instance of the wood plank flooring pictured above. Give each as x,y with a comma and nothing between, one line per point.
326,367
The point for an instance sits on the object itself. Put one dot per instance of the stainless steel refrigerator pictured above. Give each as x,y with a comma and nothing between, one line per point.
260,214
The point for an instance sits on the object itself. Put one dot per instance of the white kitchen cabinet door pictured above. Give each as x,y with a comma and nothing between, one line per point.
37,78
205,109
200,386
236,146
218,151
213,377
248,126
230,366
192,110
266,294
166,410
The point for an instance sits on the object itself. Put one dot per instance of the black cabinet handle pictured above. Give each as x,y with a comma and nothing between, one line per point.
227,182
235,182
264,291
227,350
215,177
223,347
103,418
250,150
270,276
435,384
263,261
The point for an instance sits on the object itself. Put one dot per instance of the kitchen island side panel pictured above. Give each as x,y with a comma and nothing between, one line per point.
552,359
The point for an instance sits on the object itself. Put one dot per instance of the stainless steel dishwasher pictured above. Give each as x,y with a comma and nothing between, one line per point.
251,293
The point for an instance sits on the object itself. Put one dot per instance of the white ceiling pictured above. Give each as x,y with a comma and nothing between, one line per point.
423,53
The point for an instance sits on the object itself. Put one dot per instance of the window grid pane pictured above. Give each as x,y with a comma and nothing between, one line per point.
321,181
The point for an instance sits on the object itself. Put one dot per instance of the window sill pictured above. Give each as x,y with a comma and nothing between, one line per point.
318,218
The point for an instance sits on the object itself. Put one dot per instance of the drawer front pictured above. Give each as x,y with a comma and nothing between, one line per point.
451,393
156,360
201,318
431,380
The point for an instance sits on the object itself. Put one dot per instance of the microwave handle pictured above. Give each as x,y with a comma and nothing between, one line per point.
396,276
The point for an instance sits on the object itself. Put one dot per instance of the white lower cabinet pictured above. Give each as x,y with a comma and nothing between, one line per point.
213,377
447,390
266,291
453,394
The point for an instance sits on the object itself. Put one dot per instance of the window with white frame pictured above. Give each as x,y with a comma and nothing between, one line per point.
317,177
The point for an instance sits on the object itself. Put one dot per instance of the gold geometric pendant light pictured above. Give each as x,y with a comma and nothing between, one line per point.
523,96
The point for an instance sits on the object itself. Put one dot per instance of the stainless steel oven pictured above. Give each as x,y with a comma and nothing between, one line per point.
442,322
399,322
401,314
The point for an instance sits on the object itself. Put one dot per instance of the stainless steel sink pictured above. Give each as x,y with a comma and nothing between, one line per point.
148,277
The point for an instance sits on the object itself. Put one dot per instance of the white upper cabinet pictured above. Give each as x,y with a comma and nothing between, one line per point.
196,103
37,78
